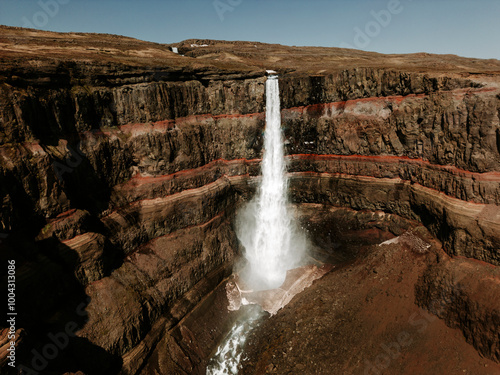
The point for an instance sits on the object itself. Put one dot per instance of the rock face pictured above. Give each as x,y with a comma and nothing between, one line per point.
462,294
122,164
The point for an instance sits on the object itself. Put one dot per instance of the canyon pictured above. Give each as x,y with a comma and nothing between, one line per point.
123,164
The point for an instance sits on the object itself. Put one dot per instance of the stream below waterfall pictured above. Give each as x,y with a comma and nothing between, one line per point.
227,359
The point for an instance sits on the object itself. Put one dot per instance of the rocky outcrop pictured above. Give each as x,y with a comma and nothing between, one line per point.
463,294
152,280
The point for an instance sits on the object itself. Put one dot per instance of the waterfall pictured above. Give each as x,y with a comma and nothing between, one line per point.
265,227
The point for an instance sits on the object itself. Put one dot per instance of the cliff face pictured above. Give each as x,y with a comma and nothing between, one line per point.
120,175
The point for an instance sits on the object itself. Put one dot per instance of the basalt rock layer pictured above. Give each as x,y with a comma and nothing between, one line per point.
122,164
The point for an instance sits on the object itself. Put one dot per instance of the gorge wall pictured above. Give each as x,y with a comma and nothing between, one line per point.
120,178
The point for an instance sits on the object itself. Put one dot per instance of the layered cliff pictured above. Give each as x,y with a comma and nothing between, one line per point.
123,164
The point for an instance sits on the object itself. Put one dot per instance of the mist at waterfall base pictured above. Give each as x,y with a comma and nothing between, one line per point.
265,226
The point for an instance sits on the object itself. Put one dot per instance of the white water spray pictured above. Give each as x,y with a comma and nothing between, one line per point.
265,227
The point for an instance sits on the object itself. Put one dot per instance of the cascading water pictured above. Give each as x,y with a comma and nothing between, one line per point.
265,227
272,242
226,360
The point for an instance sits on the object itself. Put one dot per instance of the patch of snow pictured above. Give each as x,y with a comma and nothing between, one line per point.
394,240
409,239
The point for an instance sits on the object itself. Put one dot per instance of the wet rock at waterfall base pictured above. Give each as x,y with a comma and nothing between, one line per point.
272,300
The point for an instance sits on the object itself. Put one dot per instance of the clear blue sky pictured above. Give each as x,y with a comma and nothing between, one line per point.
464,27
